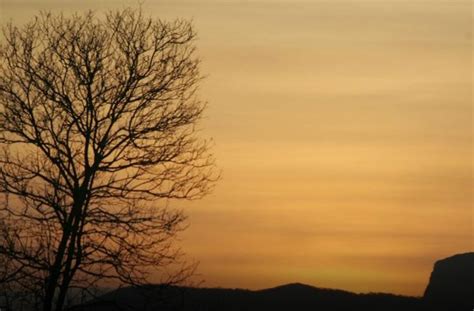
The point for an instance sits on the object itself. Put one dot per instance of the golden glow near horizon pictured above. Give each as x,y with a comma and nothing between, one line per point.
344,133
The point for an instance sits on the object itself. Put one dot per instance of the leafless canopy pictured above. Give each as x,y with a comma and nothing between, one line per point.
97,135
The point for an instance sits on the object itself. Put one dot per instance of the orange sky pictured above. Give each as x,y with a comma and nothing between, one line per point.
344,133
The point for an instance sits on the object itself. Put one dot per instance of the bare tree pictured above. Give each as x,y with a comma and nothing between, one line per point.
97,134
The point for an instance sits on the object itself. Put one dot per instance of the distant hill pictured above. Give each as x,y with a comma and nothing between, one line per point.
450,288
286,297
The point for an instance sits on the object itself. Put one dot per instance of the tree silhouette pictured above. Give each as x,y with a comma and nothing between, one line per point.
97,134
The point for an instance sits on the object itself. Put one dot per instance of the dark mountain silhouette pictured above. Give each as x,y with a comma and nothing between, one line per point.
450,288
452,283
286,297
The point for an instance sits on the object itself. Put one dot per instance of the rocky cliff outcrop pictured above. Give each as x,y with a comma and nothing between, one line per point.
451,285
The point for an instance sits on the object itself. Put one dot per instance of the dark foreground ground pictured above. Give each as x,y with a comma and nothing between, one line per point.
450,288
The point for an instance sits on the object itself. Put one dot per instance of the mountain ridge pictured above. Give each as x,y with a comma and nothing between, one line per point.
440,295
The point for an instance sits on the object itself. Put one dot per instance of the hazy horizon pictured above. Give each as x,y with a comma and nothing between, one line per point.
343,130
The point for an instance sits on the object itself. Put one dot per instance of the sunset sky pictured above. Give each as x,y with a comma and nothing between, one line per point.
343,129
